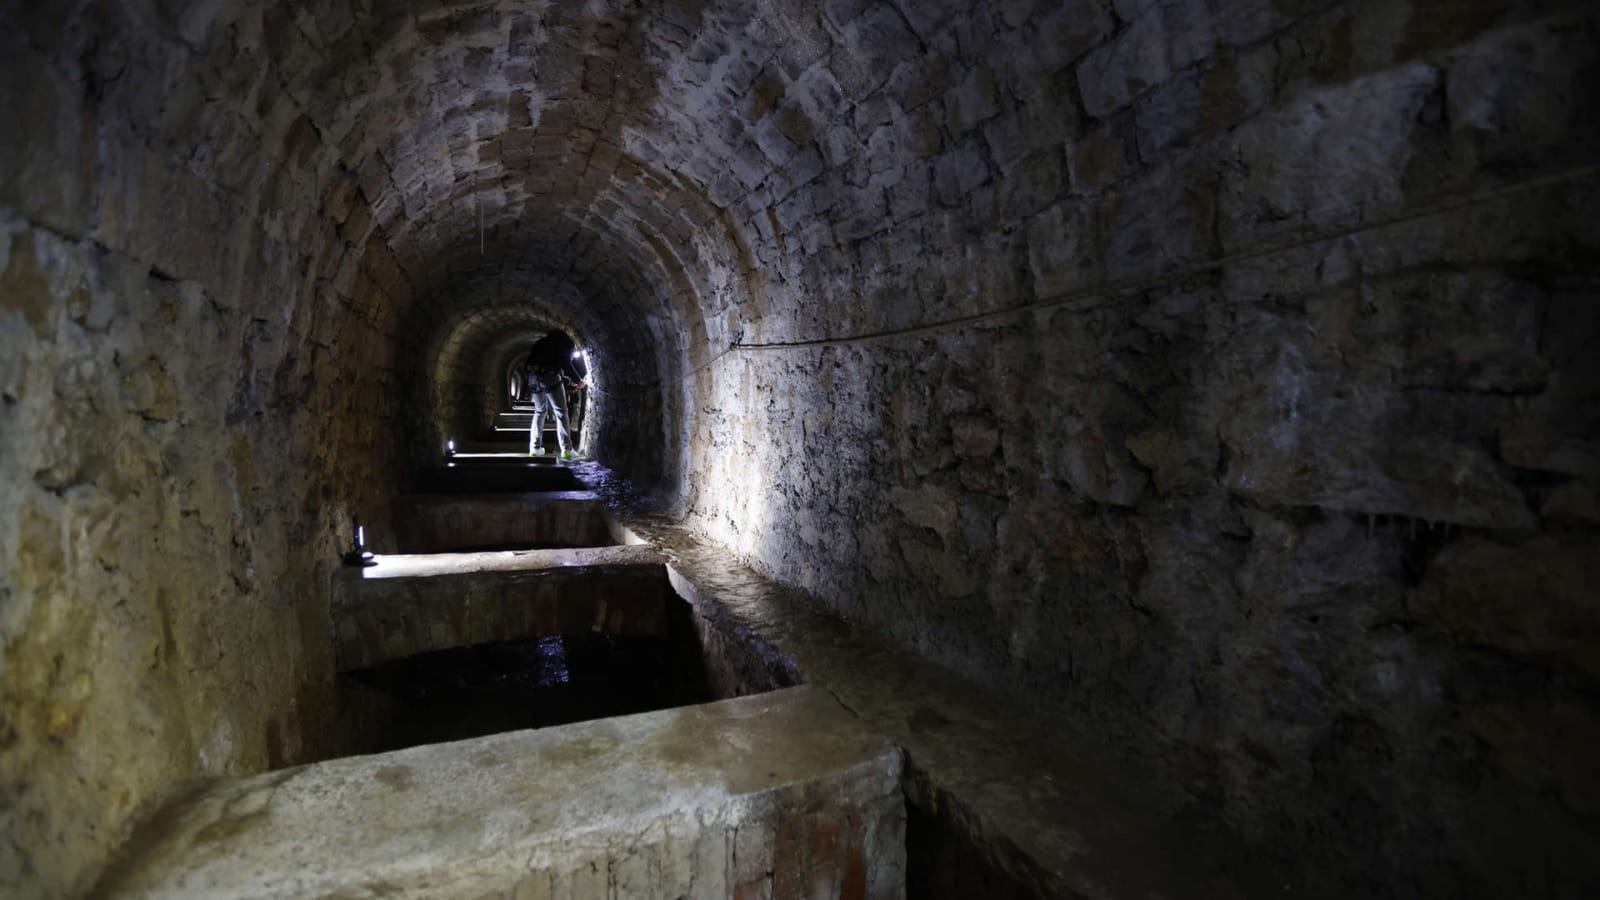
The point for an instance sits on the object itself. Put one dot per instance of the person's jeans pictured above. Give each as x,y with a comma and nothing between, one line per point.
549,402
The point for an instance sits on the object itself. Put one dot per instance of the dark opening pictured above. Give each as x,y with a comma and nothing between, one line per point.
477,522
495,477
467,692
943,862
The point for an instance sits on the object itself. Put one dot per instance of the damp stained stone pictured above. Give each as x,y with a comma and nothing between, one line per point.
1081,341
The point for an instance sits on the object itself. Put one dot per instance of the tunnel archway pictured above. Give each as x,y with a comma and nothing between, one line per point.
1175,367
467,384
525,193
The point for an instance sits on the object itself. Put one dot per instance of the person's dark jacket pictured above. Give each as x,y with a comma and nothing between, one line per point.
550,361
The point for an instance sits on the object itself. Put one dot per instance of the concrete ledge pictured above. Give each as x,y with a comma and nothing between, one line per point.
400,565
411,605
777,795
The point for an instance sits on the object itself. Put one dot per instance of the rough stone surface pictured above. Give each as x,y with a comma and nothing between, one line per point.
1029,809
378,620
781,795
436,523
433,564
1534,599
1147,356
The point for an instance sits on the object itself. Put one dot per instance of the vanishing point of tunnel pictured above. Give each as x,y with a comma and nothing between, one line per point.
1030,448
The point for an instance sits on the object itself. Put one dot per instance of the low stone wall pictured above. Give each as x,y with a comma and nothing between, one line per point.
1216,376
433,523
378,620
494,476
739,660
781,795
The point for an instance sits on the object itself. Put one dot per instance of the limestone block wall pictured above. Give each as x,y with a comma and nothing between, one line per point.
1213,374
193,379
238,240
379,620
437,523
785,795
1210,372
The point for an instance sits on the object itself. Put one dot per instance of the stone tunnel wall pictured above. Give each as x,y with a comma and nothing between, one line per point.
1234,378
196,386
1283,476
230,235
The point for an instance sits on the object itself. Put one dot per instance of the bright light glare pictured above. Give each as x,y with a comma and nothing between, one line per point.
361,535
577,354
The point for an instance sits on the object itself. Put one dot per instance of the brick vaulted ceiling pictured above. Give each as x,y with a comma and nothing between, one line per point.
603,146
499,142
617,165
605,161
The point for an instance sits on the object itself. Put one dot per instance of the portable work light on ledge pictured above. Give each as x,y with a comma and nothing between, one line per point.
359,555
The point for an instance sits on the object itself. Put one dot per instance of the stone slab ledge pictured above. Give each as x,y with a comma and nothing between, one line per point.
781,794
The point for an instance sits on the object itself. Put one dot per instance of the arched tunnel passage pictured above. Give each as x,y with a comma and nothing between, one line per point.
1202,373
485,318
480,371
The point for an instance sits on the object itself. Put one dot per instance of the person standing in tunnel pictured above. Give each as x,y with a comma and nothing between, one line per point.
546,374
